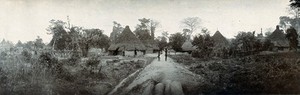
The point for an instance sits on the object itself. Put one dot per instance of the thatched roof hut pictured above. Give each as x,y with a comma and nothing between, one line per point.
151,46
128,41
188,46
220,40
278,38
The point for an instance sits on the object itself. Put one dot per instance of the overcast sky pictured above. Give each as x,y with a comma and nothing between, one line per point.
26,19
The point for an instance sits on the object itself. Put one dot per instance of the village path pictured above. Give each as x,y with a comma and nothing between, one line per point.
165,71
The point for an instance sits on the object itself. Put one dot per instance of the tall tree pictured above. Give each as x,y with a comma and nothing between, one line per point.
93,38
295,5
146,26
38,43
60,37
117,29
153,25
204,44
162,42
292,36
142,30
191,23
176,41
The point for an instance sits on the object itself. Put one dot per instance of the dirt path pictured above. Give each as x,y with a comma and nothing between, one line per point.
165,72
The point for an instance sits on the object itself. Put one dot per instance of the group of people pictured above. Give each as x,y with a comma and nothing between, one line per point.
166,54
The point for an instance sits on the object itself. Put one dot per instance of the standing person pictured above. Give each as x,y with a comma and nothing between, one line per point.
166,54
158,56
135,52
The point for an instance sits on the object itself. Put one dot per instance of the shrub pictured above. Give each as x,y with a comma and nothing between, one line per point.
26,56
92,62
46,59
75,58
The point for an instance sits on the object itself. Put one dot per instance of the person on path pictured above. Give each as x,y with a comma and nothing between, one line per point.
166,54
158,56
135,52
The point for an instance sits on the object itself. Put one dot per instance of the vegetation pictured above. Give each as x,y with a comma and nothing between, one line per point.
271,73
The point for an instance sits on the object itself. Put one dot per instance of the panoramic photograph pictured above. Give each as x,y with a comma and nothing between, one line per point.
149,47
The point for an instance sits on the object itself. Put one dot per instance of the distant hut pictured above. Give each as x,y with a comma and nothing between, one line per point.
278,39
219,40
151,46
220,44
127,43
187,46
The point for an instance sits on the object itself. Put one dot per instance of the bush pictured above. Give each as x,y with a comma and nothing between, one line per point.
26,56
46,59
75,58
92,62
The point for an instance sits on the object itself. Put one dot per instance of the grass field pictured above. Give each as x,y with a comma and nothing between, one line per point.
275,73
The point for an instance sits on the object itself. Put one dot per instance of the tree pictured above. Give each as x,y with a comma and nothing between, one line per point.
60,37
204,44
75,34
176,41
142,30
117,29
191,23
93,38
295,5
19,44
245,42
153,25
38,43
146,29
292,36
162,42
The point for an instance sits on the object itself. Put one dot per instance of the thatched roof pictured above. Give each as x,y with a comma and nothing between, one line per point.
128,41
188,46
151,44
219,39
278,38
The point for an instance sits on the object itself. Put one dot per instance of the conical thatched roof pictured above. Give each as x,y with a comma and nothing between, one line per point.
188,46
128,41
278,38
219,39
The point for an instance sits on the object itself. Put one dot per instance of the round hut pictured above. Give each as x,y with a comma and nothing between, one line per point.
127,44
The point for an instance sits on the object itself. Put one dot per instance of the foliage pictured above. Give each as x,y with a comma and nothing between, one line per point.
146,30
246,43
286,21
76,38
295,5
26,55
204,44
162,42
19,44
60,36
93,38
191,24
117,29
38,43
292,36
46,59
267,74
176,41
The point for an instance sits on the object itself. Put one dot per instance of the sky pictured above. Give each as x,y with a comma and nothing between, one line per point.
26,19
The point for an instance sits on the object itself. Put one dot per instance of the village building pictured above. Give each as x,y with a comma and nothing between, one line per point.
151,46
220,43
127,44
187,46
279,40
